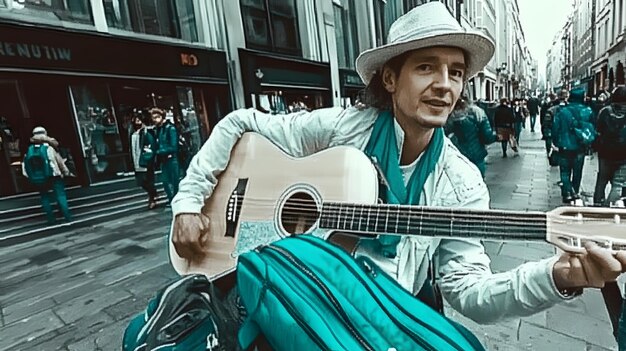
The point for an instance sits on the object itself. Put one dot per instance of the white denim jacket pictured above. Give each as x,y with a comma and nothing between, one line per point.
465,278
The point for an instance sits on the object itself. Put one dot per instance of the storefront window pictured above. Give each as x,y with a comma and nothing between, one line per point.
271,25
78,11
345,31
99,132
168,18
190,122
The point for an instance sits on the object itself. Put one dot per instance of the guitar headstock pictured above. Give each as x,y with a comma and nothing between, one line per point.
569,227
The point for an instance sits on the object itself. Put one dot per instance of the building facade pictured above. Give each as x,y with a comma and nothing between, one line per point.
82,69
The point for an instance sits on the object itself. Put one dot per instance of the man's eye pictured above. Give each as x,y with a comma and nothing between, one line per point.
457,73
424,67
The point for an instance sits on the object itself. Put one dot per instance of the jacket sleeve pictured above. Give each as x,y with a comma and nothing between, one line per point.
298,135
471,288
168,145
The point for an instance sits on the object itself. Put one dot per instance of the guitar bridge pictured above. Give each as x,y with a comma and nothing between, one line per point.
234,207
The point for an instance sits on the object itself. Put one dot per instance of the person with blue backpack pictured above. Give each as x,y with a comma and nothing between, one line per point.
44,167
167,152
413,83
573,132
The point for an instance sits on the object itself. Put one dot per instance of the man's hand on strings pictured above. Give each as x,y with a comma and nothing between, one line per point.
591,269
190,234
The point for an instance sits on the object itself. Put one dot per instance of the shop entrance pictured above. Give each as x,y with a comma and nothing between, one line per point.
14,138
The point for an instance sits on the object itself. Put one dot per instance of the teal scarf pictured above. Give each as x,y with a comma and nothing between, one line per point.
383,147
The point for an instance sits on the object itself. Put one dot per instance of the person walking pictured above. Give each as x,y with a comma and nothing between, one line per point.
566,140
45,169
504,120
470,131
533,109
143,151
611,148
167,152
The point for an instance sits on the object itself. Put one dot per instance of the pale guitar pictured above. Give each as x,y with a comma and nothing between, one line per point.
264,195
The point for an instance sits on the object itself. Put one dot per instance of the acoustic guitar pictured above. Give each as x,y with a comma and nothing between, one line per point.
265,194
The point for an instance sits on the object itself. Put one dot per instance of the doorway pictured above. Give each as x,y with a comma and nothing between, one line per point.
15,135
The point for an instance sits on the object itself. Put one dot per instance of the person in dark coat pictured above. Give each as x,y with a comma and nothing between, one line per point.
611,147
533,109
167,152
504,121
470,131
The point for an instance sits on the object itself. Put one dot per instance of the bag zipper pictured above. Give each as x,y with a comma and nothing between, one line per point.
416,338
290,309
333,300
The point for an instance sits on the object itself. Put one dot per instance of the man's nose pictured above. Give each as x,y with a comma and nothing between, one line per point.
442,78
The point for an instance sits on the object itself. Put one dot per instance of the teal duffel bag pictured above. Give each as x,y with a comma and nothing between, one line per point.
303,293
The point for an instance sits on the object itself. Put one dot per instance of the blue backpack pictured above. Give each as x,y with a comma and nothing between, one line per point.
303,293
37,164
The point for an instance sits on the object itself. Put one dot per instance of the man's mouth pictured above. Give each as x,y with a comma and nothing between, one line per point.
437,103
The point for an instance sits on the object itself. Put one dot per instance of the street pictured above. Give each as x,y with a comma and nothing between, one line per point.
77,290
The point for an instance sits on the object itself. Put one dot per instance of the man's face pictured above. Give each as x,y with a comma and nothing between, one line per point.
157,119
428,85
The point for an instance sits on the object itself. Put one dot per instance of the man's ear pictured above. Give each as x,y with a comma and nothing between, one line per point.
389,79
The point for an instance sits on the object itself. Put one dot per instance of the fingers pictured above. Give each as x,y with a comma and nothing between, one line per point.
187,234
604,261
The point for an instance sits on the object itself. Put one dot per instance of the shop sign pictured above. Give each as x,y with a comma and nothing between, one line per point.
190,60
35,51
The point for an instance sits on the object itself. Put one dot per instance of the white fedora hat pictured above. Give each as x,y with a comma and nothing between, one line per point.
425,26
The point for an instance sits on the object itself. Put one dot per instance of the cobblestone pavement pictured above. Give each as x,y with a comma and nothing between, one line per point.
77,290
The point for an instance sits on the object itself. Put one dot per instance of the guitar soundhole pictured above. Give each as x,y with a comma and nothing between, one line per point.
299,213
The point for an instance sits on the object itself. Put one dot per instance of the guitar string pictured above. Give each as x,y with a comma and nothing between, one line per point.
440,212
308,204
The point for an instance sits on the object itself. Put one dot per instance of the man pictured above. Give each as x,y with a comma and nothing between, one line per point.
142,146
413,84
533,109
546,117
611,147
504,120
567,143
471,132
167,152
45,169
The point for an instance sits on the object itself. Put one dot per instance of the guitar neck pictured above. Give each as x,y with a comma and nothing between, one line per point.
434,221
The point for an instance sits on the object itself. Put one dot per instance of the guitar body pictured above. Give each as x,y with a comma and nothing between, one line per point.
257,197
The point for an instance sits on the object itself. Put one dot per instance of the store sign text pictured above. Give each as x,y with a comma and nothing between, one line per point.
188,60
34,51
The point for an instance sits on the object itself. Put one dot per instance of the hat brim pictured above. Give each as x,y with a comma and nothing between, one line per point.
478,47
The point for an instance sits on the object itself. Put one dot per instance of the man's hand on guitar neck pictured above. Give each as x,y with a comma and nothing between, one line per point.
589,270
189,234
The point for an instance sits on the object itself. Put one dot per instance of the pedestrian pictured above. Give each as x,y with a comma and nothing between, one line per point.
611,148
546,117
45,169
143,151
504,121
518,113
167,152
470,132
568,143
533,109
413,83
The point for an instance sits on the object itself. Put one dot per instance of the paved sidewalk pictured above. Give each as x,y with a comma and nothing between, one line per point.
77,290
527,182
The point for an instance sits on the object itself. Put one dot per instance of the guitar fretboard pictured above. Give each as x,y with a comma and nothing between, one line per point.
434,221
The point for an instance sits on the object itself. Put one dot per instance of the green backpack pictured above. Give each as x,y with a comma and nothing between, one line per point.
37,164
303,293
